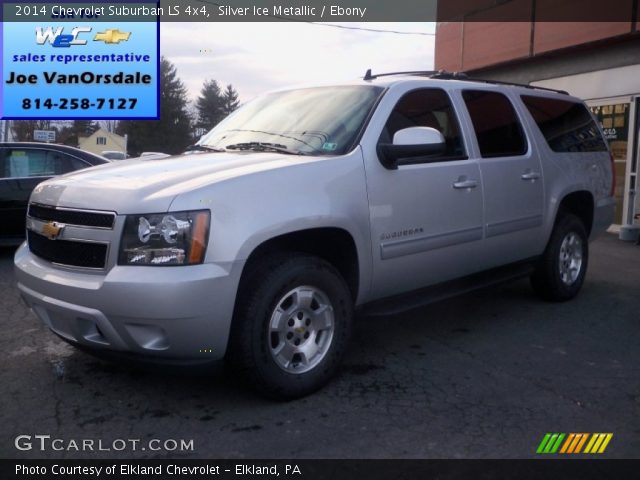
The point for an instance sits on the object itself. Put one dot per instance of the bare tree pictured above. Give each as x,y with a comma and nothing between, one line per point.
109,125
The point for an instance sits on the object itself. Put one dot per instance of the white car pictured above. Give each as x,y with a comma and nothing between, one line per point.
114,155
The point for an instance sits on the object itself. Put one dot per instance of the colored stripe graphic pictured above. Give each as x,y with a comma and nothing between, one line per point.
550,443
577,438
556,445
543,443
573,443
581,442
598,443
605,443
567,442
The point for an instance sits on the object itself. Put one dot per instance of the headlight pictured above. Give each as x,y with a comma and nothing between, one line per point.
175,238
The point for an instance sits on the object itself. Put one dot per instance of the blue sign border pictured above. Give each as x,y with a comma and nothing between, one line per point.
157,117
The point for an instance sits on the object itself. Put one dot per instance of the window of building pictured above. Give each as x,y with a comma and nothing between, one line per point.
567,126
101,140
428,107
614,120
496,124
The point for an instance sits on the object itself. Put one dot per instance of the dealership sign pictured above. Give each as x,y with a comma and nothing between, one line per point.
84,68
44,135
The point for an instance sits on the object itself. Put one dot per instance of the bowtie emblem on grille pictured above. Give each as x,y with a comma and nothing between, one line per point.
52,230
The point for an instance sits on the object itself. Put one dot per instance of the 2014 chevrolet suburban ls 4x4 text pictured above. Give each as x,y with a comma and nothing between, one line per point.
307,204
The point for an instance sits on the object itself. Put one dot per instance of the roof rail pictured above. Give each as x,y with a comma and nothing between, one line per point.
418,73
444,75
523,85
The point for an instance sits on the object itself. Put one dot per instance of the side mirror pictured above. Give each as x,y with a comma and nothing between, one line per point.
410,143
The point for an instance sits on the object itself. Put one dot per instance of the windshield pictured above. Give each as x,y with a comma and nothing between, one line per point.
318,121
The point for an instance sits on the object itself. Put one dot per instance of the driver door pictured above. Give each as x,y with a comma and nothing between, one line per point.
426,217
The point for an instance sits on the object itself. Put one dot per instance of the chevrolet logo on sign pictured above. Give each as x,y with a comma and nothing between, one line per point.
112,35
52,230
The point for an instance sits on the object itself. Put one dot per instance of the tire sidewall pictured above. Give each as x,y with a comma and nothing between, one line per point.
303,271
566,225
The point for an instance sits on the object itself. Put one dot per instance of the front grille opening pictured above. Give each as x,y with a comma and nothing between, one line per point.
72,217
77,254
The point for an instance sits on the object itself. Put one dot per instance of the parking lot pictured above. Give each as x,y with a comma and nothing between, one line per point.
485,375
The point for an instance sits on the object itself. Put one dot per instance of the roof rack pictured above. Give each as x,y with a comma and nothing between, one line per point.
523,85
417,73
444,75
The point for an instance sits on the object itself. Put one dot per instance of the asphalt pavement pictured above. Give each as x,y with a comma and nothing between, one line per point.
484,375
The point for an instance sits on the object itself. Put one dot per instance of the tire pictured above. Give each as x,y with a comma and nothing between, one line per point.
291,325
560,273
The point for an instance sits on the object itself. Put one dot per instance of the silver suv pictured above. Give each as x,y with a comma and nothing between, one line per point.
308,204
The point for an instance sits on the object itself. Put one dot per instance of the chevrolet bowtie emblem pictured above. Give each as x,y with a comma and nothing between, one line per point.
112,35
52,230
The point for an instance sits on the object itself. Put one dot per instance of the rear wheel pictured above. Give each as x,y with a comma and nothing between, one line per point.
291,325
561,271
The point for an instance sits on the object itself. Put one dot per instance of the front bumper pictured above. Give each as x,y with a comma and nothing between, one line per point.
182,313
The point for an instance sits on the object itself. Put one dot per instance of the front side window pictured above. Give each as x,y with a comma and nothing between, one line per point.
24,163
318,121
566,126
496,124
429,107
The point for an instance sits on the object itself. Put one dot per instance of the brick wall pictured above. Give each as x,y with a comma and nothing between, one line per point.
484,34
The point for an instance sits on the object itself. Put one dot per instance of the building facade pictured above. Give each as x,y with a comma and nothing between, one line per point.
101,141
596,61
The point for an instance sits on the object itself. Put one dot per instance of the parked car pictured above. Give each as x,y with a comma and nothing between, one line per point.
23,165
307,204
150,156
114,155
153,155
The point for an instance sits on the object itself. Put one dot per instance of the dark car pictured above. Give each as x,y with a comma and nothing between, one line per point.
23,165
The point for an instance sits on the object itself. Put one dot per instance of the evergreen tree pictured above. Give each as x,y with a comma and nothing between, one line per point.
209,106
170,134
229,100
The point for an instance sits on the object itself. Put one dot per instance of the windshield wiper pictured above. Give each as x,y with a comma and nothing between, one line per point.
263,147
314,149
203,148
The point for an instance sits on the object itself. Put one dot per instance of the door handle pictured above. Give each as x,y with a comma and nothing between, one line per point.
460,184
530,176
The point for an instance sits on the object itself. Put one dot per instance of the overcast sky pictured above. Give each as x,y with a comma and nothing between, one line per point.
256,57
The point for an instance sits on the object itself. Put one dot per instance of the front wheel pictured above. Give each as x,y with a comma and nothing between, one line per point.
291,326
561,271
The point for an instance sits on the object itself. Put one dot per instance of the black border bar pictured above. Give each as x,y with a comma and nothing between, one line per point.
543,468
334,11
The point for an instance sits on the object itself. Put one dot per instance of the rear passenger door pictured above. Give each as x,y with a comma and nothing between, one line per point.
512,178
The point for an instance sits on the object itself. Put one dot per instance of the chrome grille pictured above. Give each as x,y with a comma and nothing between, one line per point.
72,217
65,252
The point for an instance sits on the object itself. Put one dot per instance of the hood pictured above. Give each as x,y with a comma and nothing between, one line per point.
145,186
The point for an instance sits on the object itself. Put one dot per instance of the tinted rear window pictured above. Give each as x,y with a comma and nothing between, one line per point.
497,128
566,126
